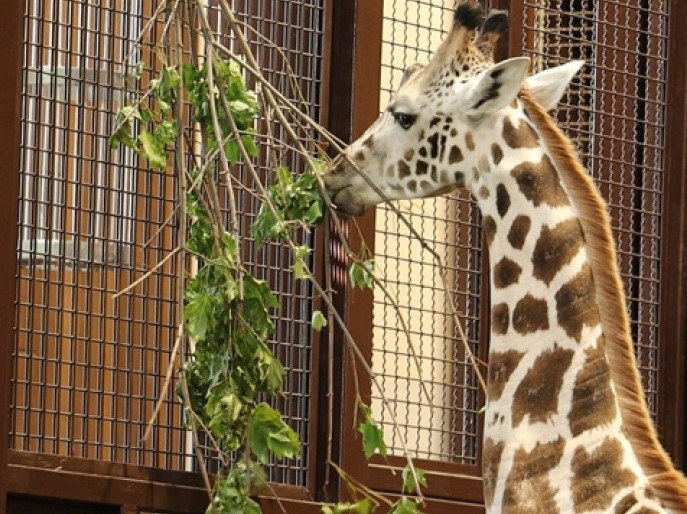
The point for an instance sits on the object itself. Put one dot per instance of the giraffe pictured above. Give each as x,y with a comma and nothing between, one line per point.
566,426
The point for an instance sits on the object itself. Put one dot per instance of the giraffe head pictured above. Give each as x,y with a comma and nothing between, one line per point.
432,137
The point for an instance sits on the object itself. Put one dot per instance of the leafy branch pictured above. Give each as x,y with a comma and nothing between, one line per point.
202,107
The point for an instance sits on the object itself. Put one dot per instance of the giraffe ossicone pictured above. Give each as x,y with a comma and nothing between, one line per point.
566,424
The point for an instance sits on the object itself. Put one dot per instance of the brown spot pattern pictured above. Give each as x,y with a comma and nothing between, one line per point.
496,153
518,231
484,192
469,141
501,367
528,488
506,273
576,304
555,248
491,459
455,155
530,314
598,476
502,200
489,229
626,503
539,183
500,318
408,155
403,169
522,136
593,402
537,394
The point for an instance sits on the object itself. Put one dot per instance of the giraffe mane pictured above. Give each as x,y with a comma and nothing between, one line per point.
669,484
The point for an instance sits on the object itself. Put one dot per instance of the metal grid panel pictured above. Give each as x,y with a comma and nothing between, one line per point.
449,431
297,30
615,112
89,368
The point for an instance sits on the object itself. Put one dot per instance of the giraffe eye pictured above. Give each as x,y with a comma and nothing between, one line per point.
404,120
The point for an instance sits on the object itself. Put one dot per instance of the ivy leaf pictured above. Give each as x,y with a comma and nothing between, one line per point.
284,176
373,437
318,321
231,148
250,145
232,406
153,150
405,506
409,484
125,118
198,314
147,114
188,75
166,132
360,274
259,289
269,434
271,370
299,267
313,214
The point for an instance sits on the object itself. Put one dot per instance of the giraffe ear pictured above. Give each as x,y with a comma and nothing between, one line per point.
497,87
547,87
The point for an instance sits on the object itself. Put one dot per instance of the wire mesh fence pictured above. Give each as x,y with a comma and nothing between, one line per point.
90,367
448,431
615,112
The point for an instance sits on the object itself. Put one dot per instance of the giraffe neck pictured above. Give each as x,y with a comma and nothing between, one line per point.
554,439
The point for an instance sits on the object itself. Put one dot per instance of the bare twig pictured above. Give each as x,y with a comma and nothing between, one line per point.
147,274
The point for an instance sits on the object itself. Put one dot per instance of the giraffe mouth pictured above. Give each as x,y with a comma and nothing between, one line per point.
347,202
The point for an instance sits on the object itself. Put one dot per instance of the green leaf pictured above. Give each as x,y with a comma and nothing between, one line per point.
188,75
269,434
146,114
300,269
363,506
259,289
232,150
232,406
197,313
153,150
405,506
360,275
313,214
318,321
250,145
123,135
409,484
284,176
167,132
373,437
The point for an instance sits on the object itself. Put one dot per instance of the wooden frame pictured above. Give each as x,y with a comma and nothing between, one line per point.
353,49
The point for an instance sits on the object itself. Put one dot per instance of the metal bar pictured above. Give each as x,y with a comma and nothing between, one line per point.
356,47
673,319
11,31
